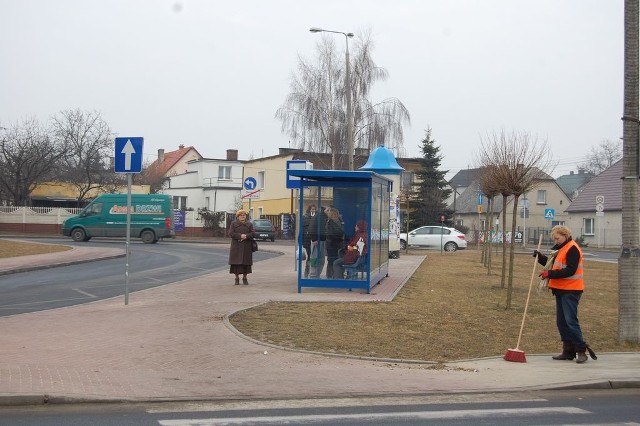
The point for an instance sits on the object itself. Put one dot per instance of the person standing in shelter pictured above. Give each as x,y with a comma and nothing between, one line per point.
318,233
242,235
357,247
566,281
335,238
306,236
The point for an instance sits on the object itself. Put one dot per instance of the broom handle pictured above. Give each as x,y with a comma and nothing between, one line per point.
526,305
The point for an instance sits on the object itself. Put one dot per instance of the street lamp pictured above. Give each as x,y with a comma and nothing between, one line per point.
347,84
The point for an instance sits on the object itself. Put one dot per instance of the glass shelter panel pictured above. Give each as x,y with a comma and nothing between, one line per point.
343,238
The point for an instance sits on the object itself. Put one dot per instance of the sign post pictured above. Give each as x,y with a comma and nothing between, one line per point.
442,219
599,214
128,159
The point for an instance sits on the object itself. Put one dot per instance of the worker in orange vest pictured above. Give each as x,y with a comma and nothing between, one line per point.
565,274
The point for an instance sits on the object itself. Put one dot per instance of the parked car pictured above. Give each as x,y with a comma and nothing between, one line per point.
264,229
449,239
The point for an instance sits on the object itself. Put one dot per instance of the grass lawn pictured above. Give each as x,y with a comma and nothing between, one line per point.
451,309
19,248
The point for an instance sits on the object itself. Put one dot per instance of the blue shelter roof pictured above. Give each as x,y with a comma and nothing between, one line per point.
381,160
336,175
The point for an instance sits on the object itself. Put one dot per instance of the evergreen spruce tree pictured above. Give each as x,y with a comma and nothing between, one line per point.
428,199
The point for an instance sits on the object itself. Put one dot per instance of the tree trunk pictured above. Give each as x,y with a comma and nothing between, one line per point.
504,240
629,260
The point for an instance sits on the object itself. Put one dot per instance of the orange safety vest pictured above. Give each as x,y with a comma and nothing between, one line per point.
574,282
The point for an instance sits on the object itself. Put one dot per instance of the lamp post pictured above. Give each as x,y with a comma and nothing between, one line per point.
347,84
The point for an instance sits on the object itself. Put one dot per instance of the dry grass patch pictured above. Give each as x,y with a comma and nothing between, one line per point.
449,310
23,248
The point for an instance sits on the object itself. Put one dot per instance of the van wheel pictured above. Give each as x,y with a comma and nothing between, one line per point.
148,237
78,235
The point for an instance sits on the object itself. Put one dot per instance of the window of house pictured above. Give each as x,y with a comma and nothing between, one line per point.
260,212
224,172
587,226
406,179
261,180
542,196
179,203
206,203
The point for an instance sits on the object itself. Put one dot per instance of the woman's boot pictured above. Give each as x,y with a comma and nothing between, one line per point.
237,280
568,352
245,281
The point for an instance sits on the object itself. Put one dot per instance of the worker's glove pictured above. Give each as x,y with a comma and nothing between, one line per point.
544,274
536,253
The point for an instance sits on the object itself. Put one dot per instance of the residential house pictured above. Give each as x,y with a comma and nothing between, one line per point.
214,184
596,213
533,215
572,182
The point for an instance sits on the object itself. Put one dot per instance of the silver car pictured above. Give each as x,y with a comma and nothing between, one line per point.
449,239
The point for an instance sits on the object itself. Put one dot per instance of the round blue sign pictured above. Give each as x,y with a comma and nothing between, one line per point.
250,183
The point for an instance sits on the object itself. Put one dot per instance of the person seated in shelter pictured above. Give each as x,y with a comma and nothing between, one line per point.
357,247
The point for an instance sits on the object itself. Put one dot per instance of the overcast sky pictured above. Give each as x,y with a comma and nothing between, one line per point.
211,74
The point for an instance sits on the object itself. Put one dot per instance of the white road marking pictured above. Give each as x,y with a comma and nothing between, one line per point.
418,415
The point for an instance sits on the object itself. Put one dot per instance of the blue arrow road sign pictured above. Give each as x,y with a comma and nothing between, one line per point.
250,183
128,155
549,213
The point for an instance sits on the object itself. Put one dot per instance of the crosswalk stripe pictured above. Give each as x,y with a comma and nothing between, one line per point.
418,415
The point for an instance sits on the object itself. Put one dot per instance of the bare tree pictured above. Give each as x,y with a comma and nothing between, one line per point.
314,113
629,259
28,155
89,146
517,159
602,157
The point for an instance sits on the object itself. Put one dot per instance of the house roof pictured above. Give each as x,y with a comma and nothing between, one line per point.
607,184
467,199
464,178
171,159
571,182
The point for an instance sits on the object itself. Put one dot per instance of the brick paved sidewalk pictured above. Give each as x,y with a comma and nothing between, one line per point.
171,342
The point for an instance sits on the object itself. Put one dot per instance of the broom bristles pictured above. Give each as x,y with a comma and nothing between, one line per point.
515,355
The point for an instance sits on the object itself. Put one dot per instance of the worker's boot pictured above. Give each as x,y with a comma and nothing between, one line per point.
568,352
581,354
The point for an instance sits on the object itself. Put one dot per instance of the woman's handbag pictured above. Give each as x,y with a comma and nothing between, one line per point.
254,245
351,257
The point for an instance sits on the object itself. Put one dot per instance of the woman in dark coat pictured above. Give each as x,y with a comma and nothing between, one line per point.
335,238
242,235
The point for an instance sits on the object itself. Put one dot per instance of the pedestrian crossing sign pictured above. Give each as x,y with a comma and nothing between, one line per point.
549,213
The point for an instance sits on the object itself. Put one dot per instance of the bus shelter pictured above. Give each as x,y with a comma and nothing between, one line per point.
343,211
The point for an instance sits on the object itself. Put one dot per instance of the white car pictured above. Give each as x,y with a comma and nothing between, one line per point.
449,239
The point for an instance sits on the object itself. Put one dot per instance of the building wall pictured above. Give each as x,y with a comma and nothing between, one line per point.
203,186
607,229
274,197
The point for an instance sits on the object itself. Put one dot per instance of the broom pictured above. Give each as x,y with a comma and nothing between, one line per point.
516,355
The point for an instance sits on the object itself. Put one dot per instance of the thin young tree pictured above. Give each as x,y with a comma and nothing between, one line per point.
519,159
629,259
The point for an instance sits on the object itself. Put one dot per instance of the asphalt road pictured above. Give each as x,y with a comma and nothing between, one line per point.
150,265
